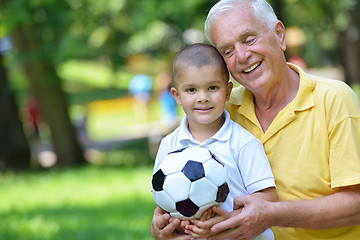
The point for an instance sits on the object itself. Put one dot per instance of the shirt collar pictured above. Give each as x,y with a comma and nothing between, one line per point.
304,98
222,135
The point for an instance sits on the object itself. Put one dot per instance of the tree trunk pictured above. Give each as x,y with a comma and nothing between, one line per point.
349,49
278,7
14,148
46,88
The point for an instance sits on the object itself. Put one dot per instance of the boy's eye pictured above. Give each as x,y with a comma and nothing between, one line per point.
212,88
191,90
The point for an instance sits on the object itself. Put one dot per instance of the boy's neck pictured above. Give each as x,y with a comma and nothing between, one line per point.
202,132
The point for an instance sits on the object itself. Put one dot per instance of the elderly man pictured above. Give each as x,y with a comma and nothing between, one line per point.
309,126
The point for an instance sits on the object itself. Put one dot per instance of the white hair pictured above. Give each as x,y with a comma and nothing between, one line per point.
262,10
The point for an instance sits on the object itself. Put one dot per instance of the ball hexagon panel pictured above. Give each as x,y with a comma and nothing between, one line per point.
178,150
163,200
158,180
222,193
177,185
199,154
187,207
215,172
215,157
172,163
193,170
204,208
202,191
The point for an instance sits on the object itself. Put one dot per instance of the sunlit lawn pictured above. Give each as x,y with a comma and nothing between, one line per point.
84,203
91,202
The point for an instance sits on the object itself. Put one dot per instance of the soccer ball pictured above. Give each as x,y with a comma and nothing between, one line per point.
189,181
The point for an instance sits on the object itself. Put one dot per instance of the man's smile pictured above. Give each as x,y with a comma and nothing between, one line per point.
252,67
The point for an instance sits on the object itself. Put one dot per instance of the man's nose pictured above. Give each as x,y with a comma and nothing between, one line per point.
242,52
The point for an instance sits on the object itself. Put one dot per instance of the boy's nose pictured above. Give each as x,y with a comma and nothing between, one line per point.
203,97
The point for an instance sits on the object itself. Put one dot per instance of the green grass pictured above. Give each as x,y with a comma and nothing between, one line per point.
83,203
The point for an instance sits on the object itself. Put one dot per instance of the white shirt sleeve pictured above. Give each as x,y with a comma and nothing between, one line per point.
255,167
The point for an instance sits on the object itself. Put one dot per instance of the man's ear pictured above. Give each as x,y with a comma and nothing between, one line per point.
280,32
175,94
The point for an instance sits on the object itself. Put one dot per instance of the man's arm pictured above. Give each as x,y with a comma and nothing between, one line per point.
337,210
340,209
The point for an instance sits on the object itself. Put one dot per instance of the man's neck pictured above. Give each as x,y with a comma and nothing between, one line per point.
269,103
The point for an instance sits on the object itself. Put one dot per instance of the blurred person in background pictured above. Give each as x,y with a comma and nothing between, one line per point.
33,118
140,87
167,102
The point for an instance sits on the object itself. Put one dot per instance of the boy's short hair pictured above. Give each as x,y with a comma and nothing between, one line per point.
198,55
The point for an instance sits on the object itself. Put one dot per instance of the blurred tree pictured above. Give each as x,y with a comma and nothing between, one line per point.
14,148
278,6
47,33
37,28
334,39
121,28
348,44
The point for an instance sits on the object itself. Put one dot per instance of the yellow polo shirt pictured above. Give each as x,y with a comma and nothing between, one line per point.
313,145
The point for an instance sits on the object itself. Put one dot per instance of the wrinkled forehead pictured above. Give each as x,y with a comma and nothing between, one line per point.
232,23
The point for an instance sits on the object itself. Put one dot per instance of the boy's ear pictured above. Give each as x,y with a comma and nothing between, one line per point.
228,90
175,94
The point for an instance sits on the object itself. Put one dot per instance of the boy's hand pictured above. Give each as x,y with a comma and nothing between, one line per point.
180,227
201,228
164,228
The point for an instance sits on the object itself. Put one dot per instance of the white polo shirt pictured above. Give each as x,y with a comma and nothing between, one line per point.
243,155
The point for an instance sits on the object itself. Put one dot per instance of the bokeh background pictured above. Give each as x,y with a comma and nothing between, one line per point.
84,103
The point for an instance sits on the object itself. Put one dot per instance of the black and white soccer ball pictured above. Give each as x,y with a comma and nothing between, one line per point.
189,181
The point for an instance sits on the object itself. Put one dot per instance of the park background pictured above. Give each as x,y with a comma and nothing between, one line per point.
85,174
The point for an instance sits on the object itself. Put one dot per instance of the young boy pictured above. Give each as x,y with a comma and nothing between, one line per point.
201,86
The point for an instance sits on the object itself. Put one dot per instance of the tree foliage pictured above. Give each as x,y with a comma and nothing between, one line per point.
37,27
332,32
47,33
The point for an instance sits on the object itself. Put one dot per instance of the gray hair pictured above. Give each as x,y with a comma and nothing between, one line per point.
262,10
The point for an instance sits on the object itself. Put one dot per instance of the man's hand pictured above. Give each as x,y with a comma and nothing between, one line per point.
247,223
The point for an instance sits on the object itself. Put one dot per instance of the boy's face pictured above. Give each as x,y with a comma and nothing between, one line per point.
202,93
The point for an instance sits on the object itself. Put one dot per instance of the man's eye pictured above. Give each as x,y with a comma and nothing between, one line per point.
228,52
250,40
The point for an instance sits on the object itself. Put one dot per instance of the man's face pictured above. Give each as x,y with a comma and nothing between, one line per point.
251,50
